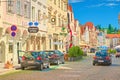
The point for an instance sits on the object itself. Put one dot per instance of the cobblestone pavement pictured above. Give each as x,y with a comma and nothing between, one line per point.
79,70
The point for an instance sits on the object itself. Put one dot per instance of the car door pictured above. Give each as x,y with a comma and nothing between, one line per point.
45,58
61,55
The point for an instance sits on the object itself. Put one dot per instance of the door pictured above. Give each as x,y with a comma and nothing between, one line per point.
18,52
2,52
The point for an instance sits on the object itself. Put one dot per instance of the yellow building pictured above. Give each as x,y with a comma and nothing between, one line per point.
57,13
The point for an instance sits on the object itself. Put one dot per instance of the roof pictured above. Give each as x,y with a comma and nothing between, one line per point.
70,8
89,25
113,36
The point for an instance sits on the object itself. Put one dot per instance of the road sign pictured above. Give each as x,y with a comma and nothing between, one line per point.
36,23
33,29
13,28
30,23
13,34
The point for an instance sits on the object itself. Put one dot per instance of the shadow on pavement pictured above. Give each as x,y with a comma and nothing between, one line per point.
114,65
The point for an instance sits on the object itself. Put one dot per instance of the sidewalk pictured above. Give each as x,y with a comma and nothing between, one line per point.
4,70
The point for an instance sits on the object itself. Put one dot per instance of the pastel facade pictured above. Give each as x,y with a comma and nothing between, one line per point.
88,35
20,13
15,13
57,13
39,13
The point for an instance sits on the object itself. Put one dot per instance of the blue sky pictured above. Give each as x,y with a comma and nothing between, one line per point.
103,12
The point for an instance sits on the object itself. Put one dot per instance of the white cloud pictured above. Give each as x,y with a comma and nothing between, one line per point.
114,0
97,5
75,1
103,4
111,4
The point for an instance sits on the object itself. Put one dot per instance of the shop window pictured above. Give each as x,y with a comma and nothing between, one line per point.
50,43
59,44
10,48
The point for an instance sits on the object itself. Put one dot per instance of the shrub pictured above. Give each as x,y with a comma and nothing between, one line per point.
112,51
75,51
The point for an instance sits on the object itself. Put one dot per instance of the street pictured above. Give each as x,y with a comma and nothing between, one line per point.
78,70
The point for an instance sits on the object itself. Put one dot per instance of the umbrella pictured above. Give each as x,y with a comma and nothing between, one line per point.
117,47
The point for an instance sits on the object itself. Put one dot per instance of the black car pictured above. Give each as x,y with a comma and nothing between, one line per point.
92,50
102,58
35,58
55,56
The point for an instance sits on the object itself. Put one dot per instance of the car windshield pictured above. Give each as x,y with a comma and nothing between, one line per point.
101,54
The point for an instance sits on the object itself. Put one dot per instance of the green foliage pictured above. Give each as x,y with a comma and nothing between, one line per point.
110,29
112,51
75,51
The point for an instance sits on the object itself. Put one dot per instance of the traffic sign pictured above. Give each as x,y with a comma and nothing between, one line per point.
13,28
30,23
36,23
13,34
33,29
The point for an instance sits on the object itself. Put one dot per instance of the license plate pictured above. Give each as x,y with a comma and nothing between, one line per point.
100,61
30,61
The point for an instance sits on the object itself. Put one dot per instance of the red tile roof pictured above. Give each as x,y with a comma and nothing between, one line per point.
89,24
113,36
70,8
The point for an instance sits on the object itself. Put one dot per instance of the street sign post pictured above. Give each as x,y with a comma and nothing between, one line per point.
33,27
13,29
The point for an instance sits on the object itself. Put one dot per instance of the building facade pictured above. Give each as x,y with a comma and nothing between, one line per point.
57,13
13,13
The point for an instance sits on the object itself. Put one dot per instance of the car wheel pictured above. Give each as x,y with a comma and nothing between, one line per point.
63,62
48,66
23,68
58,62
93,64
41,67
110,63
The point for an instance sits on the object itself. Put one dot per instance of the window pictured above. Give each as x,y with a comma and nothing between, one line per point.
54,1
65,7
25,10
59,44
10,6
10,48
49,15
33,13
44,15
62,44
18,7
59,3
62,5
59,21
39,15
50,43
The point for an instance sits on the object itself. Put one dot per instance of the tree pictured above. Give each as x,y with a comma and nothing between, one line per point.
110,29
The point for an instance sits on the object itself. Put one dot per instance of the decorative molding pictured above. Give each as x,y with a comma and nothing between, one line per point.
34,0
39,3
59,15
50,8
55,12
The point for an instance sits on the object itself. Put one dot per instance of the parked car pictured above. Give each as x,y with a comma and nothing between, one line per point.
102,58
117,55
55,56
92,50
35,58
